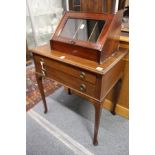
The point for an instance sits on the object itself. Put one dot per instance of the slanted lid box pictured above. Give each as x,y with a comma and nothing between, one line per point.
93,36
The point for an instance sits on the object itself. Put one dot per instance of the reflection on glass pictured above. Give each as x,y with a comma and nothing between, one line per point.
82,29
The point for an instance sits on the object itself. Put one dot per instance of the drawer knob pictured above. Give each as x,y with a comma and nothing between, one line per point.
83,87
82,75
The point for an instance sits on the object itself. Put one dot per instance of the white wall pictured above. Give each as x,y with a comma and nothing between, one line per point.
42,20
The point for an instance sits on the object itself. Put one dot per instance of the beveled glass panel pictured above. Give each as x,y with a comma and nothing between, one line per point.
82,29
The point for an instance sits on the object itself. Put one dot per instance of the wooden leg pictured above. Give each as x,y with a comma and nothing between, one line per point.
115,97
41,89
98,111
69,91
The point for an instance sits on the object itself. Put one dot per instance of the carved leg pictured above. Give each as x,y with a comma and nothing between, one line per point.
98,111
116,93
69,91
41,89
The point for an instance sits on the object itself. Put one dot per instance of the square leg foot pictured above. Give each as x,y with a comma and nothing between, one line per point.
95,143
113,113
45,111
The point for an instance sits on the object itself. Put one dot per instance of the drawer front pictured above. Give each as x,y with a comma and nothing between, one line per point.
71,81
67,69
66,79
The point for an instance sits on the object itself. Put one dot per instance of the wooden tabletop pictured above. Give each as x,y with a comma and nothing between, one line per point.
89,65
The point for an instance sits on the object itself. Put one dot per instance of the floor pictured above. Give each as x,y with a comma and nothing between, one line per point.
67,128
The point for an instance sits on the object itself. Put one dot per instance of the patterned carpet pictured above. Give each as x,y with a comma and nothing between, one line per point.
32,92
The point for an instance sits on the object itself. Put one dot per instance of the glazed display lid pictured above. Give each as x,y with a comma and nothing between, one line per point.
83,29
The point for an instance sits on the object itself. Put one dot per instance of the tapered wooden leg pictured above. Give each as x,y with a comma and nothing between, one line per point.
41,89
69,91
98,111
115,97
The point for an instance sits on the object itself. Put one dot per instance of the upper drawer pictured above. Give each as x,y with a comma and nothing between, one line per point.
71,70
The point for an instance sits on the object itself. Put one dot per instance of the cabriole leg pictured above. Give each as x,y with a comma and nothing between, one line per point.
98,111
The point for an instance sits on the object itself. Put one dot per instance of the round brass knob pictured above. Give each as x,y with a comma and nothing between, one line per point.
82,75
83,87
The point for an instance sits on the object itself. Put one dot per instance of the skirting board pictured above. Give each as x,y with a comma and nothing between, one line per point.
119,109
108,104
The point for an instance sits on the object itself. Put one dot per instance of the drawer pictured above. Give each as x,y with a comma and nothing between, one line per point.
70,81
67,69
66,79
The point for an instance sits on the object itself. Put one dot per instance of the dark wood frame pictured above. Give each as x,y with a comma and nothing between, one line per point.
104,6
78,15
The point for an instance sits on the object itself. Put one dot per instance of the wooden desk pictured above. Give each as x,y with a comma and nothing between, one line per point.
82,76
